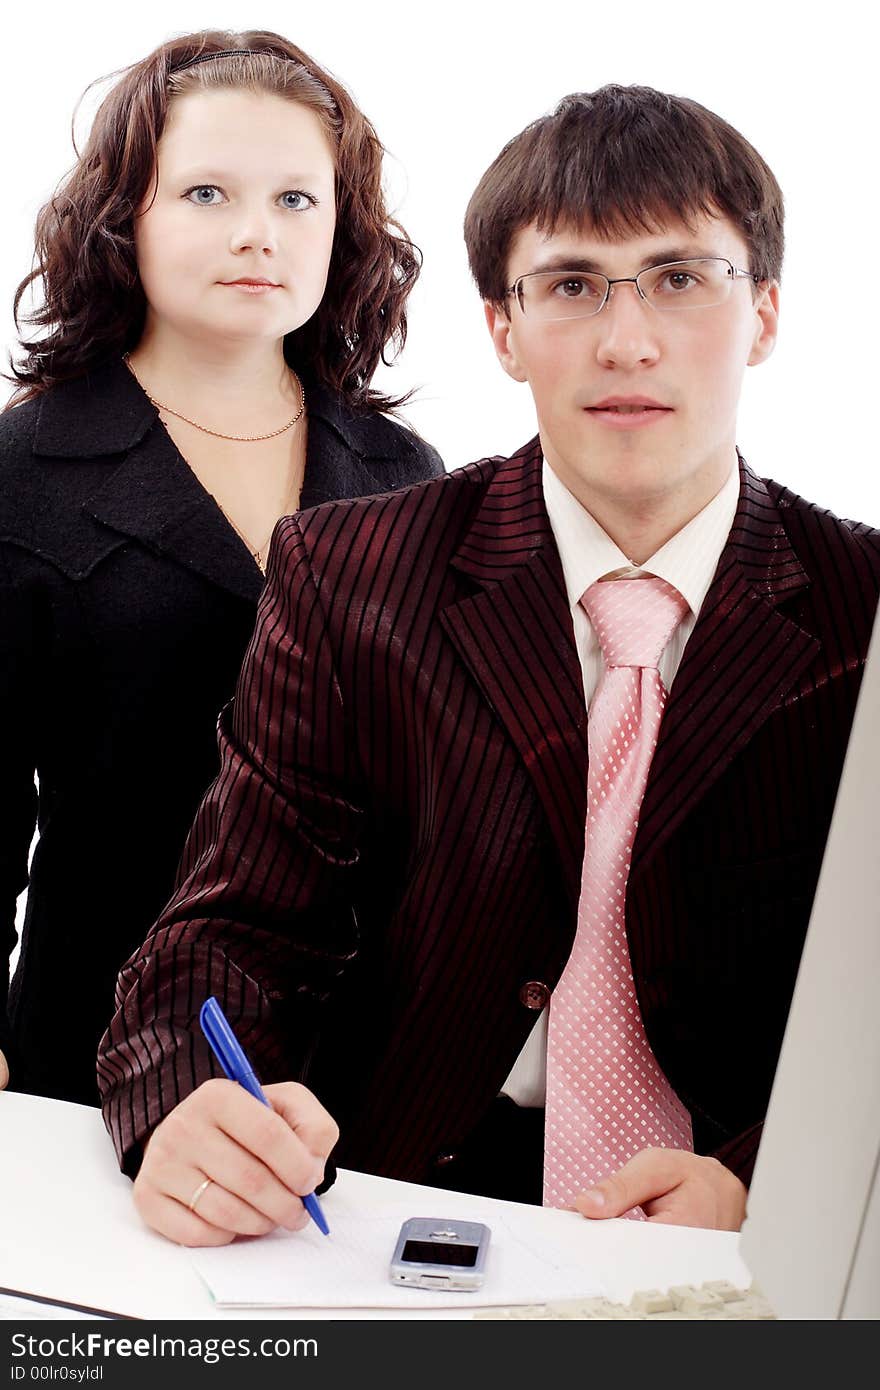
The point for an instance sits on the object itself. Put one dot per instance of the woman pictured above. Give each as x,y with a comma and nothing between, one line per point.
221,278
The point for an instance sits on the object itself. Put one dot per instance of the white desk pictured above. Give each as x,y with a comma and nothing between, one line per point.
69,1229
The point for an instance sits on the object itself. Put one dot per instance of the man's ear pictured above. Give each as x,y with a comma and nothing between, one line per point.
501,330
767,325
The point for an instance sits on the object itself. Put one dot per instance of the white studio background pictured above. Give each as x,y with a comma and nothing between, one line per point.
446,86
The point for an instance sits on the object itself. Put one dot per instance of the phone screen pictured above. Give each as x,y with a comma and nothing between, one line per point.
435,1253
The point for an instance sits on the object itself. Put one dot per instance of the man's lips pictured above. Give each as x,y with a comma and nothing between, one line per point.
628,404
628,412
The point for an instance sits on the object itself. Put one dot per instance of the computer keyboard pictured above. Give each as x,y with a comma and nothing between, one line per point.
717,1299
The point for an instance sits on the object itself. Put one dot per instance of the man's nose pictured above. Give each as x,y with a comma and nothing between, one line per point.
627,327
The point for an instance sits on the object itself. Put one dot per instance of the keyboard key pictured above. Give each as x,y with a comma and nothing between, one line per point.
651,1301
690,1300
716,1300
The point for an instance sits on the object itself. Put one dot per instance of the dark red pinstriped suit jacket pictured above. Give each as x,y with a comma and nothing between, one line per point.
392,850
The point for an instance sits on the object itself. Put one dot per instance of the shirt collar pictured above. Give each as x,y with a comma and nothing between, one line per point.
687,561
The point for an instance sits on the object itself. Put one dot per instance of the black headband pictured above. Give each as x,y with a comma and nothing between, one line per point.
228,53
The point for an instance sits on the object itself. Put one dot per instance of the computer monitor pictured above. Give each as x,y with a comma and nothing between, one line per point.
811,1238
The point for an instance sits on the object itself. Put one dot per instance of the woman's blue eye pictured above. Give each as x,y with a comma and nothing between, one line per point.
203,195
204,188
299,200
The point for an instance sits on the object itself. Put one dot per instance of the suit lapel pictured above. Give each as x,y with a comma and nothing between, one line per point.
148,492
516,638
156,498
741,658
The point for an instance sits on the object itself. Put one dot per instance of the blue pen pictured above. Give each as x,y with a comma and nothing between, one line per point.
227,1050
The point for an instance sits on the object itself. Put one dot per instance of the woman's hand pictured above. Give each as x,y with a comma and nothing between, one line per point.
221,1164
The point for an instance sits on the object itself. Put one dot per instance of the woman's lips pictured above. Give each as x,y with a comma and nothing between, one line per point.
248,287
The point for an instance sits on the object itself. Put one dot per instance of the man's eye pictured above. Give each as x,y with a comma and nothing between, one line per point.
678,280
296,201
572,288
203,194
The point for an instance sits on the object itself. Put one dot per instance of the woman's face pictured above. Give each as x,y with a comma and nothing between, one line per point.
245,195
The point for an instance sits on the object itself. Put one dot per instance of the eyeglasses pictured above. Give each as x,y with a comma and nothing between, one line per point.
549,296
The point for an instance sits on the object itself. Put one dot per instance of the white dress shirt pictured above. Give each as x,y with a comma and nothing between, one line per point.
687,561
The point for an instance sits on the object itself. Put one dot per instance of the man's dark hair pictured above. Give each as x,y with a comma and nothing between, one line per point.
622,160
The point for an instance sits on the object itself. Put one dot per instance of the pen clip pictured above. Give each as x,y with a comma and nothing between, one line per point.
223,1041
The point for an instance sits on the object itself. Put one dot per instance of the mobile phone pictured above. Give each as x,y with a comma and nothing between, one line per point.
434,1253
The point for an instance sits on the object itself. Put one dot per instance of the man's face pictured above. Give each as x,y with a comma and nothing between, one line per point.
689,361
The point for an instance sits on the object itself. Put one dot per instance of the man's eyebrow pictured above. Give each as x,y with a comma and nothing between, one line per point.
590,267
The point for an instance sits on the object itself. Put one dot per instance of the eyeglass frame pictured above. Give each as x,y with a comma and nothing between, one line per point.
736,273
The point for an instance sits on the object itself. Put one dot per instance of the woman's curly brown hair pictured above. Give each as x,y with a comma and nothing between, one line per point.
93,302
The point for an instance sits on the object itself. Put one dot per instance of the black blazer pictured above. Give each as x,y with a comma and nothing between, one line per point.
126,604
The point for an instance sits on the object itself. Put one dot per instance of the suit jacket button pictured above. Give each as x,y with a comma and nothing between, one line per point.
534,995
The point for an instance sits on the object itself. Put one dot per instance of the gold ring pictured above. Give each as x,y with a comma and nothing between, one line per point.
199,1193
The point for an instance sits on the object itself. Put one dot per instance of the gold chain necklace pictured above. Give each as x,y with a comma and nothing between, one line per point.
237,438
258,554
261,555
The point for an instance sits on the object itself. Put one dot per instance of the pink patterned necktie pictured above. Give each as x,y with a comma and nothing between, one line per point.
606,1096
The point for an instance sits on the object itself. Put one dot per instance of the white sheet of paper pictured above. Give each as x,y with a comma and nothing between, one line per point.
349,1268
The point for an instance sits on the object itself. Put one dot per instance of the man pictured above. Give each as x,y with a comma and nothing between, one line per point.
527,780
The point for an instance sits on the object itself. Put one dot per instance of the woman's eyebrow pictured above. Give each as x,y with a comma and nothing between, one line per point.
204,173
